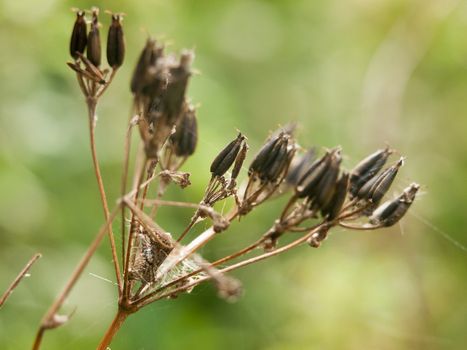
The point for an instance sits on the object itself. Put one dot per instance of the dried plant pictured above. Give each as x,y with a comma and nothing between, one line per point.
153,264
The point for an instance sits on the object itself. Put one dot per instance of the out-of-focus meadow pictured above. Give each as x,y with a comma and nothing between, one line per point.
357,73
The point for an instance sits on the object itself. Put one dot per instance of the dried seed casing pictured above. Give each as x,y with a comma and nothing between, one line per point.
174,95
115,42
93,51
239,160
147,59
312,176
367,169
263,155
227,156
390,212
333,209
299,165
78,35
326,186
185,138
377,187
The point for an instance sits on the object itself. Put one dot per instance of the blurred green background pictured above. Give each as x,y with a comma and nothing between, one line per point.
355,73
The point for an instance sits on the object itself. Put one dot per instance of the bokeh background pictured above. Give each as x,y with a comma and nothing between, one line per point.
355,73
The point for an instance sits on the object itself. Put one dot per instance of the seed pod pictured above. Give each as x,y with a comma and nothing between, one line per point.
367,169
392,211
174,95
78,36
115,42
312,176
147,59
322,194
227,156
277,161
333,209
239,160
377,187
263,155
299,166
186,135
94,40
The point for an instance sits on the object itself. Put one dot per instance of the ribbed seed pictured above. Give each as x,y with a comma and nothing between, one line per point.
115,42
367,169
333,209
239,160
312,176
185,137
391,212
226,157
94,40
78,36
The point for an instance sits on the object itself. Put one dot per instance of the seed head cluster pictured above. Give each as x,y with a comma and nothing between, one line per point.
319,192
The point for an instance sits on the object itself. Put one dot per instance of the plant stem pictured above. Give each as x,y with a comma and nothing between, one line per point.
48,321
114,327
92,103
18,278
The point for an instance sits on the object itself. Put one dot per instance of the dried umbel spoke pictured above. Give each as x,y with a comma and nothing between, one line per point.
155,263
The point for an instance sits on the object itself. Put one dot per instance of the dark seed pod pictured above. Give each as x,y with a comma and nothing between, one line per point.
115,42
174,95
312,176
94,40
78,36
299,166
391,212
239,160
263,155
148,58
185,138
377,187
333,209
322,194
227,156
367,169
278,160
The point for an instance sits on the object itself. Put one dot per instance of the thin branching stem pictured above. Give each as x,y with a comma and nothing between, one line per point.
49,319
18,278
91,103
148,300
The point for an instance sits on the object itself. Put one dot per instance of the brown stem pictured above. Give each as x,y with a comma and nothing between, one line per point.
114,327
146,300
127,284
18,278
91,103
48,321
126,163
